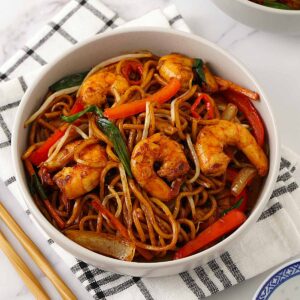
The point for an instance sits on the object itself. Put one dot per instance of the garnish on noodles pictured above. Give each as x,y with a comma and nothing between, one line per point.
146,158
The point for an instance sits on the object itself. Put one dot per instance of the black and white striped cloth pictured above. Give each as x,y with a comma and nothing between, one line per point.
274,238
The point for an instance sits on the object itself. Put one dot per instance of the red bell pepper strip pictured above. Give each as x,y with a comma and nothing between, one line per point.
132,69
246,107
138,106
215,231
119,226
41,154
209,106
77,107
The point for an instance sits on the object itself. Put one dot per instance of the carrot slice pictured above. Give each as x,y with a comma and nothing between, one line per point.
138,106
222,226
115,221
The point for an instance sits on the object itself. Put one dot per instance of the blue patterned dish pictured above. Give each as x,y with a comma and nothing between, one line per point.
283,283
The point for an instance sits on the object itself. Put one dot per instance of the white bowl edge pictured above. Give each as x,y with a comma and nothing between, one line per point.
134,268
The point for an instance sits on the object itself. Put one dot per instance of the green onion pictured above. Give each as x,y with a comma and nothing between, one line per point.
273,4
198,68
110,130
73,118
114,135
38,187
234,206
68,81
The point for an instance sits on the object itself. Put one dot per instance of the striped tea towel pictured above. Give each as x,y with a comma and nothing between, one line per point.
273,239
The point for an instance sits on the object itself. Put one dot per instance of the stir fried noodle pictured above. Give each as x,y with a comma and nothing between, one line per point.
142,154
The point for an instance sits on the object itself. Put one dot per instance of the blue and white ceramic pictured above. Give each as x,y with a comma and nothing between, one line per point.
282,284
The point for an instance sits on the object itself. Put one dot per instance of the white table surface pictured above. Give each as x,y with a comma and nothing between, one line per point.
273,59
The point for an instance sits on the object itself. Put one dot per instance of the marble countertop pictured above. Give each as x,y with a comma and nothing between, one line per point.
273,59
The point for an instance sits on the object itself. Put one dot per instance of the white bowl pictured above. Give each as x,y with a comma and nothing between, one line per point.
261,17
160,41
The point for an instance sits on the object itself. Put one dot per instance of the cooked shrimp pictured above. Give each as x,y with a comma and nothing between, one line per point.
90,153
159,149
212,139
63,157
80,179
96,87
76,181
178,66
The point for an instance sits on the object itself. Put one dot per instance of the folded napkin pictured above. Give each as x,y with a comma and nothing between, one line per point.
274,238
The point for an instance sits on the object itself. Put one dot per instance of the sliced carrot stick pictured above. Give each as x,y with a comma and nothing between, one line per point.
222,226
115,221
138,106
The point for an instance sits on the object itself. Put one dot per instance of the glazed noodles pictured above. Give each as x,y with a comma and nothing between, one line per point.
143,157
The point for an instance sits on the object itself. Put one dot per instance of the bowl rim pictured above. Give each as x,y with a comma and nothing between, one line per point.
81,252
269,9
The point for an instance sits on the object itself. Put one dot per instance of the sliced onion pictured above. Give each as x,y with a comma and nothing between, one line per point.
48,102
103,243
244,176
230,112
147,121
113,60
195,158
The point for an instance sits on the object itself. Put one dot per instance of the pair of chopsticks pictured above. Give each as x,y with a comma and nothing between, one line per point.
23,270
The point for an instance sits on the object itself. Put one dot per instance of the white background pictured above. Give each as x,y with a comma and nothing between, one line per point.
273,59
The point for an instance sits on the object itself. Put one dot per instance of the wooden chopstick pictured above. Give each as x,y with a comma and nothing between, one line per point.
20,266
36,254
